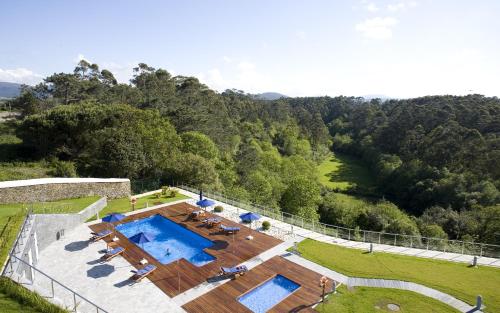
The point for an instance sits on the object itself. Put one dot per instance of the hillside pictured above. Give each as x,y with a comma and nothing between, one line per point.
9,90
430,163
269,96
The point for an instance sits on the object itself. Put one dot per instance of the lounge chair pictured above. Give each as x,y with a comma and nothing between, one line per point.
197,215
212,222
233,271
112,253
229,230
143,272
100,235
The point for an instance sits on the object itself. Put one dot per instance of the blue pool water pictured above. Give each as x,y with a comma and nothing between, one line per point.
180,242
267,295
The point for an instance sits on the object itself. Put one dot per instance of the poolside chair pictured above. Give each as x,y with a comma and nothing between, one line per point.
143,272
112,253
233,271
212,222
100,235
197,215
229,230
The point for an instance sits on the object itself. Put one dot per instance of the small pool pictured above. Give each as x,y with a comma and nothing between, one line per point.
267,295
171,241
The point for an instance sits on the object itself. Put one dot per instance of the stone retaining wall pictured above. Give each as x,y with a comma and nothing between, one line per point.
51,189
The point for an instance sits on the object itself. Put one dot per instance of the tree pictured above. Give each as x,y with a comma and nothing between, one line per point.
259,188
301,198
196,171
199,144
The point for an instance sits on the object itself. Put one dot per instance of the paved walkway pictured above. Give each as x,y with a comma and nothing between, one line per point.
295,231
75,263
382,283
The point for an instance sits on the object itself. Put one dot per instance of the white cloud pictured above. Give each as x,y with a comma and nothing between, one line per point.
371,7
80,57
20,75
301,34
402,5
242,75
227,59
377,28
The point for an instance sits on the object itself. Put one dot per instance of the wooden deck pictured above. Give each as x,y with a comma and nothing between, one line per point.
177,277
223,299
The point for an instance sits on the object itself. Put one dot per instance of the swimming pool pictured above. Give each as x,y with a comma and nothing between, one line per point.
267,295
171,241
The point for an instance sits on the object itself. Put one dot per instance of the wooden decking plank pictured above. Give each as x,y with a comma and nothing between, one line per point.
225,298
229,250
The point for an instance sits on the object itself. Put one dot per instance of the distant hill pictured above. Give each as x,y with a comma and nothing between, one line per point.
269,96
9,90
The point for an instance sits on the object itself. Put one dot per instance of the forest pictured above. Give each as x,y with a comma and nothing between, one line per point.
435,159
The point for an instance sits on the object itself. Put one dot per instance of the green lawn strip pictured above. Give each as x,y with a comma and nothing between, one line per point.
341,171
366,300
456,279
9,227
74,205
23,170
15,298
123,205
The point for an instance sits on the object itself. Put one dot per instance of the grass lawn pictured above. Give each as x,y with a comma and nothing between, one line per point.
455,279
123,205
23,170
341,172
10,305
14,298
366,300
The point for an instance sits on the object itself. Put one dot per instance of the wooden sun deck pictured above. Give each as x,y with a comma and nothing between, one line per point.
223,299
177,277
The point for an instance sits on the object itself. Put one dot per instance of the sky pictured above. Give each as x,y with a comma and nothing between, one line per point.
395,48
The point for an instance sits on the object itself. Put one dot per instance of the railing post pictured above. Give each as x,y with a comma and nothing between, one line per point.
52,287
364,236
349,235
411,241
395,238
379,234
74,301
463,246
481,253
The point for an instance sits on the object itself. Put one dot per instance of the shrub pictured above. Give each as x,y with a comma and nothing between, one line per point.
165,190
173,193
266,225
157,195
63,169
218,209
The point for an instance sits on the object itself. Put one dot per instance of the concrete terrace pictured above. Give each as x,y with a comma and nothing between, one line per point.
75,263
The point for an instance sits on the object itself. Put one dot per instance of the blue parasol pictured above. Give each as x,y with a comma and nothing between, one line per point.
113,217
205,203
249,217
141,238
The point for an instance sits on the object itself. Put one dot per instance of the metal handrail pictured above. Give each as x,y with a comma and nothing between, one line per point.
75,294
414,241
